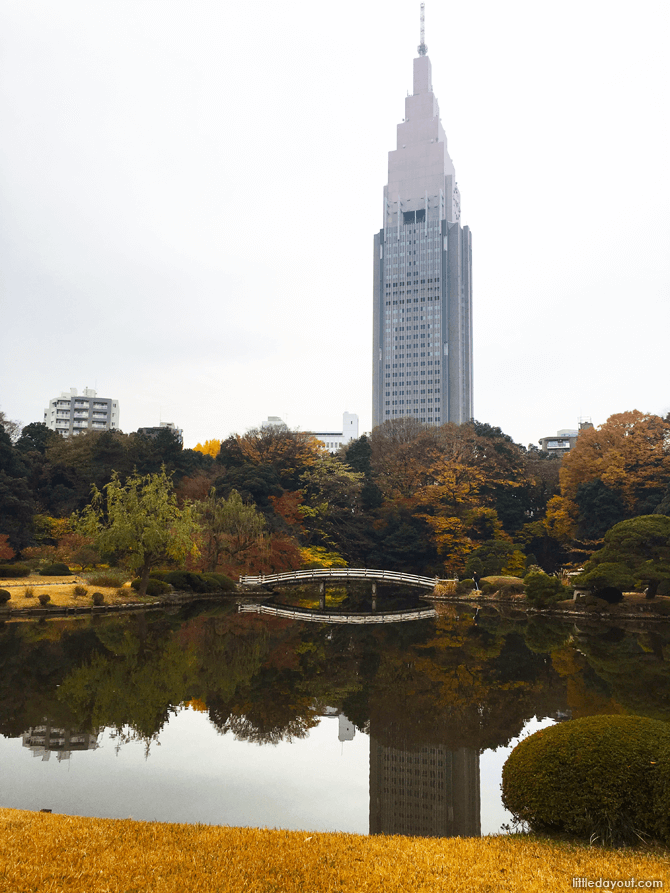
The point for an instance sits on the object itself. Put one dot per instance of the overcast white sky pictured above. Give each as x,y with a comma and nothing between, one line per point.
189,191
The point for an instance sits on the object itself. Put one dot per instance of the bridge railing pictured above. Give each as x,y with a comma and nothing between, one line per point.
340,573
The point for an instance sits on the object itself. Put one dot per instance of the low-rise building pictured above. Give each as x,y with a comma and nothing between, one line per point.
563,441
333,440
153,432
72,413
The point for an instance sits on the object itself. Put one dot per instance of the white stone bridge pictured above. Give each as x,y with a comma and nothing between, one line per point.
321,574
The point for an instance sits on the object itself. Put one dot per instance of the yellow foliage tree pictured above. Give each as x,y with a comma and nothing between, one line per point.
560,521
209,448
318,556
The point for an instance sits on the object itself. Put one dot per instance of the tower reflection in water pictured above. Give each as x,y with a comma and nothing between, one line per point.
423,792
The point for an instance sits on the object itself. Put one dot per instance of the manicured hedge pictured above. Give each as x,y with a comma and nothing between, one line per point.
224,583
154,586
14,570
5,596
193,582
543,590
58,569
604,777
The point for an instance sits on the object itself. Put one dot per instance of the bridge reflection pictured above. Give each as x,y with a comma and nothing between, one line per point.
322,616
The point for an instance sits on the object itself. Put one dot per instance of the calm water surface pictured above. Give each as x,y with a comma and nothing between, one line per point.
207,715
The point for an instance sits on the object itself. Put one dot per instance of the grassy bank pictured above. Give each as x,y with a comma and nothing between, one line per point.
26,591
42,852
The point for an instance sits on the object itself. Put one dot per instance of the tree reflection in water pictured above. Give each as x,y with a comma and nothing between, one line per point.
432,694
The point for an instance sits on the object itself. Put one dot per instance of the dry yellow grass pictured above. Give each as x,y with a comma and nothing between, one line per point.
61,592
444,587
64,854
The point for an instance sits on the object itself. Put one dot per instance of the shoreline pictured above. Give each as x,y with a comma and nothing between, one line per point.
178,599
632,608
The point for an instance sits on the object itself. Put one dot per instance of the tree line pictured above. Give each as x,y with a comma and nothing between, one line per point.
453,500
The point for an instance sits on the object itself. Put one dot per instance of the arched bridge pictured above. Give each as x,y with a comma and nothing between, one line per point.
321,574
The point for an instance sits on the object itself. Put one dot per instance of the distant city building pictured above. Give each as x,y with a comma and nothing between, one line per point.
273,421
45,739
422,279
564,440
73,413
163,426
333,440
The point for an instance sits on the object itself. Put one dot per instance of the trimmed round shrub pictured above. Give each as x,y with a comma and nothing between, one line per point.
190,581
610,594
464,586
223,583
5,596
105,578
98,598
154,586
515,588
14,570
177,579
58,569
543,590
44,598
604,777
662,793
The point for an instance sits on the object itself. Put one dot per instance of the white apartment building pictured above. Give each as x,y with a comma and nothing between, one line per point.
72,413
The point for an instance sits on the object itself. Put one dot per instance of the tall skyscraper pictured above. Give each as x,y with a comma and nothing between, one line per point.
422,340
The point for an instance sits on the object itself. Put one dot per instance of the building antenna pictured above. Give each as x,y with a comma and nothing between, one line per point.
423,49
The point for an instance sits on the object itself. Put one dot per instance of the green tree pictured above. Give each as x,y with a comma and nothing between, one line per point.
229,526
141,521
600,508
638,548
16,499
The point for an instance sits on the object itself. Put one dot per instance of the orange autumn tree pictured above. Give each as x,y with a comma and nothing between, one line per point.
449,477
285,450
627,458
6,551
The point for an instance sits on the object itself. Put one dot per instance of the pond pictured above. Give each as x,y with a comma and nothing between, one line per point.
205,714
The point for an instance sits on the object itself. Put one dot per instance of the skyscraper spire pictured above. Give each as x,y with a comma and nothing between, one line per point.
423,49
422,292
